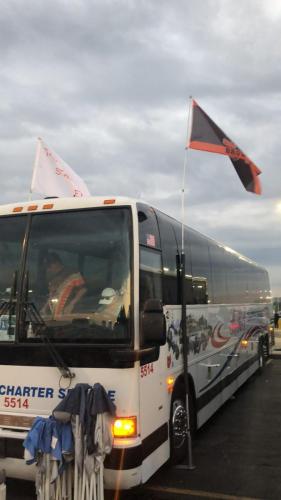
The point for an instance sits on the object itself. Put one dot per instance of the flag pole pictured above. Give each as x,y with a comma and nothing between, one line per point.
189,127
185,339
35,165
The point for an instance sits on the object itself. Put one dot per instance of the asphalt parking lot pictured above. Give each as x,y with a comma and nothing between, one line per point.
237,454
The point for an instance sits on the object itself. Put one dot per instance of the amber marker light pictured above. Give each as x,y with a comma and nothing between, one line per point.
31,208
125,427
109,202
17,209
170,384
48,206
244,343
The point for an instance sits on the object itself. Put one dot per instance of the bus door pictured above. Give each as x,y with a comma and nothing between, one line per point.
152,372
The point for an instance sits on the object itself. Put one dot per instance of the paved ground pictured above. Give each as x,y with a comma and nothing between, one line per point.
276,352
237,454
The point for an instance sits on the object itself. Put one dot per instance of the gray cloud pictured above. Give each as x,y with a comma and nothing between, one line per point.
106,84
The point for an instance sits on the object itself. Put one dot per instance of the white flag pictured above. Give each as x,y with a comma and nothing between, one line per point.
53,177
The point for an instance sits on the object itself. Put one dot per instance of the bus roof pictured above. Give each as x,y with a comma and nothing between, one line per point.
56,204
53,204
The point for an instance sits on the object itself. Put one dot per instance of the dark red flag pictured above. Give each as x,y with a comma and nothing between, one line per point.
207,136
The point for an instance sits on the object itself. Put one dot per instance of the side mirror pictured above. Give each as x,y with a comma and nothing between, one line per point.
153,323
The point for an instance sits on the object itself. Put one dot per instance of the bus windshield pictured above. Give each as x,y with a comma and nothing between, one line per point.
76,281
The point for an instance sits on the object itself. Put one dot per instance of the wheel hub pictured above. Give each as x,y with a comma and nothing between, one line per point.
179,424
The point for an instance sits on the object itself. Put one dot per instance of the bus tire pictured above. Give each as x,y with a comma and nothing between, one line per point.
261,354
178,424
266,348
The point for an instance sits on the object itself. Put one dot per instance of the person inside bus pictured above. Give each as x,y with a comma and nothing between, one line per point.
109,306
113,305
65,286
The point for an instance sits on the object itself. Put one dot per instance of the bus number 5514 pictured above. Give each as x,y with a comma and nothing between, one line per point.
146,370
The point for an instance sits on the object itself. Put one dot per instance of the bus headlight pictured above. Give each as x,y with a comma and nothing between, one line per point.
124,427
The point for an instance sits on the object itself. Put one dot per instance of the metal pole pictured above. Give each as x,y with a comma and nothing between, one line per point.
189,127
185,338
185,352
35,166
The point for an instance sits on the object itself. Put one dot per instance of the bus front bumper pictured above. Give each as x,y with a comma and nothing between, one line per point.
122,467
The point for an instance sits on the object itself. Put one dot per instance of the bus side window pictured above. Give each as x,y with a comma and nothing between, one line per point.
201,268
169,255
218,267
148,227
199,286
177,227
150,275
150,255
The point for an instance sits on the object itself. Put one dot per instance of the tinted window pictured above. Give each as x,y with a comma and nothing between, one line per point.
200,266
218,269
12,230
148,227
199,291
243,282
233,291
169,257
188,282
259,285
150,275
235,280
178,232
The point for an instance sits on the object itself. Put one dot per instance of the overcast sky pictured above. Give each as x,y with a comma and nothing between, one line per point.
106,84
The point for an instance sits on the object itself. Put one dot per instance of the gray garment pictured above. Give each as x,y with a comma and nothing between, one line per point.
74,403
103,440
92,436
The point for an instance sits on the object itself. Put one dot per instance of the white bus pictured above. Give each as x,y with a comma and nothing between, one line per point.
90,293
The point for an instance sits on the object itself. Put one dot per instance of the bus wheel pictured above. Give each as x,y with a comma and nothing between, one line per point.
178,425
266,349
261,355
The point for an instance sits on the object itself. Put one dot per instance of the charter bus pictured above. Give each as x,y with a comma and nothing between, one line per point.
90,293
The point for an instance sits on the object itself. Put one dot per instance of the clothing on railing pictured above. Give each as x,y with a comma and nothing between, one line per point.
79,433
48,435
50,445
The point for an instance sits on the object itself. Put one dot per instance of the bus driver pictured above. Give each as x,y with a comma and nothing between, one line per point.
65,286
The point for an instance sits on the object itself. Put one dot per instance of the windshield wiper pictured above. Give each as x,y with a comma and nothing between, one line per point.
32,314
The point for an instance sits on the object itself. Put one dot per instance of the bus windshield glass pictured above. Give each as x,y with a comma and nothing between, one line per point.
77,276
12,231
